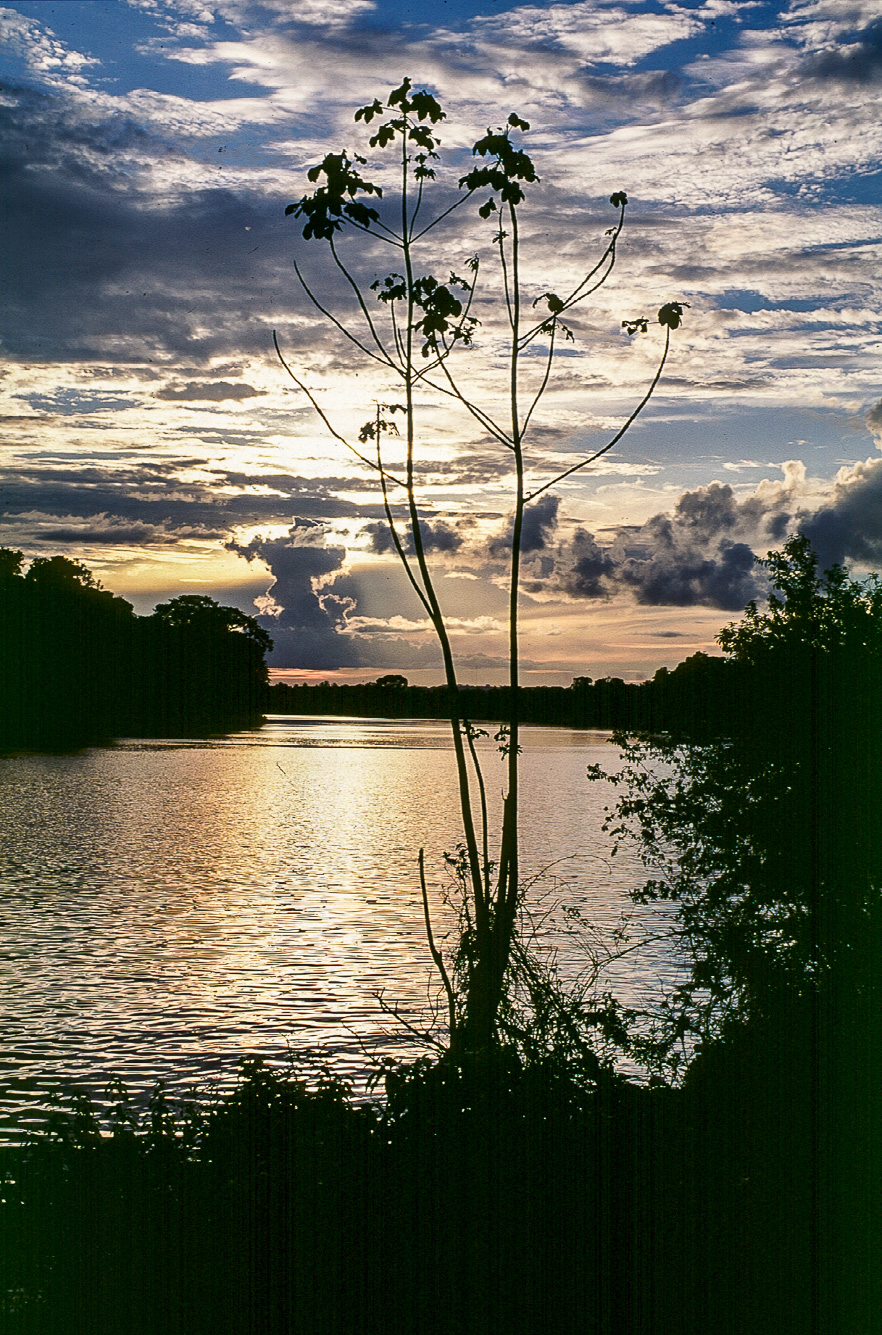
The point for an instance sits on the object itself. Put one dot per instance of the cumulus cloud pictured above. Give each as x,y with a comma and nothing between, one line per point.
436,535
850,527
701,554
678,574
588,568
300,563
540,520
310,619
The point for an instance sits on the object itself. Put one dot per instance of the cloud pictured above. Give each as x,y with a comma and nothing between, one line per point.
306,623
299,563
132,240
170,495
850,527
873,418
700,554
436,536
107,531
588,568
540,520
853,62
594,33
104,263
45,56
216,392
323,14
679,575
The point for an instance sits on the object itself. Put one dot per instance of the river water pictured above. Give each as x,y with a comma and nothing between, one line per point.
168,907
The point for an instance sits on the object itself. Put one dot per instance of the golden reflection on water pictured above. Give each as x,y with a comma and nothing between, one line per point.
169,907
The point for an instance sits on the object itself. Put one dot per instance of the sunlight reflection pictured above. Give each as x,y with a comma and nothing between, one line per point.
172,906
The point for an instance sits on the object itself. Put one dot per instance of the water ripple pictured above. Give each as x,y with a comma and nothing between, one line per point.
168,907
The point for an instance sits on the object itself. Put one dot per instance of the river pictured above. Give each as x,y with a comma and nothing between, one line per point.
168,907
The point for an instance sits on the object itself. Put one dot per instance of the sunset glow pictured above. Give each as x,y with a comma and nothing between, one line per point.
149,430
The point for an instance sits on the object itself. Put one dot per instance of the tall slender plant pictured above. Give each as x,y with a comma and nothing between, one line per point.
409,324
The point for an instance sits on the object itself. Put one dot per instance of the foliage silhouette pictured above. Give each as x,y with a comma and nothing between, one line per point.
422,326
766,839
697,698
491,1197
78,667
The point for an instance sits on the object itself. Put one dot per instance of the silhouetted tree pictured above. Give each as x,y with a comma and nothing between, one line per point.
65,644
767,840
421,322
78,667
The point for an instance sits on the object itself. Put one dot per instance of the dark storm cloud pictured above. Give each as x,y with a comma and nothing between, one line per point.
97,265
589,568
309,621
308,627
217,392
680,576
295,563
540,520
700,555
437,537
850,528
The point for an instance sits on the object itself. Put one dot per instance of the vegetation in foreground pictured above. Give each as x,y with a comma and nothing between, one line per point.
501,1199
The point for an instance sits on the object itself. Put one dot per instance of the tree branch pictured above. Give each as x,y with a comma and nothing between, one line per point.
385,360
321,413
616,438
433,949
357,290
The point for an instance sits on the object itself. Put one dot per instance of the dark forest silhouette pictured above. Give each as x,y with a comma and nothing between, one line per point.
77,667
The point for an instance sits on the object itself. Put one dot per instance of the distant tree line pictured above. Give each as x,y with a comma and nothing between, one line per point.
77,666
701,695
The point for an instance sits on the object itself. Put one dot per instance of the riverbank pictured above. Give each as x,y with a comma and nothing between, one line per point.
502,1201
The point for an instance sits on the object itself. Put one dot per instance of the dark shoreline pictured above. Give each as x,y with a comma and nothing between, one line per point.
494,1201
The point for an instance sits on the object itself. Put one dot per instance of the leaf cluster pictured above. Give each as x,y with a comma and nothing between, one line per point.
336,201
503,175
670,316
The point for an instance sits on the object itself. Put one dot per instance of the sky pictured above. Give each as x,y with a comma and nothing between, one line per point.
148,152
